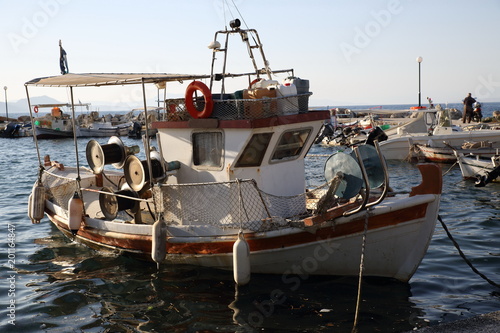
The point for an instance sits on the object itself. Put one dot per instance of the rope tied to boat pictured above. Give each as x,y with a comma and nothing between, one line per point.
474,269
447,171
361,268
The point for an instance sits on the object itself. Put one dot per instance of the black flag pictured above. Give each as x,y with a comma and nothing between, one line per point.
63,61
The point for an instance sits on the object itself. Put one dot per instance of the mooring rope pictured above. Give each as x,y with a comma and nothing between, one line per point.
361,267
444,174
463,255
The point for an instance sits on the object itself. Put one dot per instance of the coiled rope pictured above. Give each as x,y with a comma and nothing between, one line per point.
463,255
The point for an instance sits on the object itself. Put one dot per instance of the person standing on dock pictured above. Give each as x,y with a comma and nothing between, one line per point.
431,104
468,101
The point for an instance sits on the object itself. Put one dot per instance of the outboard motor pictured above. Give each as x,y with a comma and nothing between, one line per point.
477,115
328,132
481,181
135,132
376,134
11,130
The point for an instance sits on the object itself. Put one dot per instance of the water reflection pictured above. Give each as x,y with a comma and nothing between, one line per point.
120,294
325,304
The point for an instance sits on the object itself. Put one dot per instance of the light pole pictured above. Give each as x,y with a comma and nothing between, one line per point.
6,107
419,60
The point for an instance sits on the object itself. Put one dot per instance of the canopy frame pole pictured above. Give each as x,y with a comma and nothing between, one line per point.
33,127
145,139
73,121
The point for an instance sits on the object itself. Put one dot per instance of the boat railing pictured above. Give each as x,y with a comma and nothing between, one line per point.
227,107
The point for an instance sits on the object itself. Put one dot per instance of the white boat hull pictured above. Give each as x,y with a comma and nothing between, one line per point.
447,155
474,167
103,130
399,232
398,148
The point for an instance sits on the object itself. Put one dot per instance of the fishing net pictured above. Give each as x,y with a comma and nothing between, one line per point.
59,190
232,204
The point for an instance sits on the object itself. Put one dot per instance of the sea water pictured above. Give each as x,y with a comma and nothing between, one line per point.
51,284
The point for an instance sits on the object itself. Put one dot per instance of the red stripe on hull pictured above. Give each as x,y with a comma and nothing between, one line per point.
142,243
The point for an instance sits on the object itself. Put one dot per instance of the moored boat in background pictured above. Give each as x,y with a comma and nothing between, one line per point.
93,125
447,154
433,127
54,125
484,170
15,128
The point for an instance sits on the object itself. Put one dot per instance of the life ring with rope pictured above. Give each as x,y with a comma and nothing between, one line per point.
207,96
35,109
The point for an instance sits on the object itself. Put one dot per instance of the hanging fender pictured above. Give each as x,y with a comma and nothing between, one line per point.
207,96
159,241
241,260
75,208
36,203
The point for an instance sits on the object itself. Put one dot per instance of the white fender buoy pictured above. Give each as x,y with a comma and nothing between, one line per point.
30,204
241,260
75,208
36,203
159,241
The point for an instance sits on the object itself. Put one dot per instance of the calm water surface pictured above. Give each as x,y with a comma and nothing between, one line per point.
55,285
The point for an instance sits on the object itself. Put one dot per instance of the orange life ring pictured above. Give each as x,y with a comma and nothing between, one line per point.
35,109
207,95
254,82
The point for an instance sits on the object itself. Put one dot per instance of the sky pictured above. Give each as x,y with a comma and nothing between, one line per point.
352,52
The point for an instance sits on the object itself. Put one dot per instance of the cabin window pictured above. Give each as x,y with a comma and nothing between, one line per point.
290,145
207,149
254,152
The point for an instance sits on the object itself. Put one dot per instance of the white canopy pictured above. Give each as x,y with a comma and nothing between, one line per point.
102,79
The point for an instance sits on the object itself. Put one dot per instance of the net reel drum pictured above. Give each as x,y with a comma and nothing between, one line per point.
112,203
114,152
137,171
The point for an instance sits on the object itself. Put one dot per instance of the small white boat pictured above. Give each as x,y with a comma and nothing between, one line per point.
15,129
447,154
103,129
226,187
433,127
483,170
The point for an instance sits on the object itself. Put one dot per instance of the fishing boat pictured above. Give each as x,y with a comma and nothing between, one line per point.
447,154
97,129
226,187
433,127
15,129
482,169
93,125
54,125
